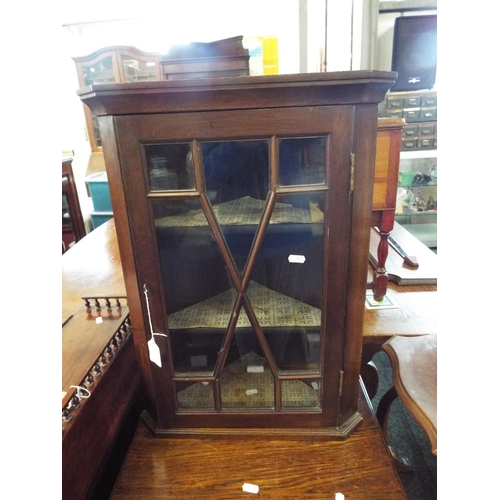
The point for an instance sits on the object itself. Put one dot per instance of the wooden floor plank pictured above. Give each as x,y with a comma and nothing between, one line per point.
217,468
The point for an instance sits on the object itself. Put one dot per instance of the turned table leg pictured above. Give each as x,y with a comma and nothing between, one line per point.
380,277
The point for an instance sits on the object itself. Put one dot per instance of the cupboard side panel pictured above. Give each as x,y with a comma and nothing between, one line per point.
121,208
364,147
146,267
337,256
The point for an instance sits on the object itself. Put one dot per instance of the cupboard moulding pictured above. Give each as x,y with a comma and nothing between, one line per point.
253,92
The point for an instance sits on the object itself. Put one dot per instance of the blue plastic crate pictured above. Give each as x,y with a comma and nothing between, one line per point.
99,218
99,192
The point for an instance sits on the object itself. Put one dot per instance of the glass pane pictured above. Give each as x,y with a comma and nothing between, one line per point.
99,72
97,133
138,71
285,290
247,380
195,395
199,293
66,217
300,394
170,167
302,161
237,183
194,350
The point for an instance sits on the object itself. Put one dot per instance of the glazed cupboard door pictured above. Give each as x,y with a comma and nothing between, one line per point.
234,229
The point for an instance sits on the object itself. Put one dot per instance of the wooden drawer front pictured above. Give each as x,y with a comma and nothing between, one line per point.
411,130
426,129
395,102
412,102
411,115
428,114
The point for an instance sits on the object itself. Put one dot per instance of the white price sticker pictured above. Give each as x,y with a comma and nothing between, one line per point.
296,259
250,488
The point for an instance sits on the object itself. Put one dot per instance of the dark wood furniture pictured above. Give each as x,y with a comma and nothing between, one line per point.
73,226
101,399
414,372
415,314
306,144
225,57
114,64
125,64
396,269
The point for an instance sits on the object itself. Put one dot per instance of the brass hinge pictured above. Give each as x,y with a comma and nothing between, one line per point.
352,173
341,382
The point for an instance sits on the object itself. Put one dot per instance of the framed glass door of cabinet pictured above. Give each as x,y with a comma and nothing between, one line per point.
238,232
102,69
136,68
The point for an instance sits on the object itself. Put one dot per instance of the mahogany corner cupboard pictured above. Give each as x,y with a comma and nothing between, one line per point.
243,211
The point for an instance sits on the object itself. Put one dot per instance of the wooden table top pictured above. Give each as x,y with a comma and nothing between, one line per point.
416,313
216,468
92,266
413,292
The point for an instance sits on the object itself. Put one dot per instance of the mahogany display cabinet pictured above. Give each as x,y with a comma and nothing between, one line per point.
243,212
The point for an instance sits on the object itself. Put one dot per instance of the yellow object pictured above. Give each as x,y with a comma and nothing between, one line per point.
270,55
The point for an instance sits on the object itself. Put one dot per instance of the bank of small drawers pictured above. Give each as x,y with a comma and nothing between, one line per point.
419,111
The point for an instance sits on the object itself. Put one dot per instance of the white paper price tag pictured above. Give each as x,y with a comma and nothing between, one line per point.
296,259
250,488
154,351
255,369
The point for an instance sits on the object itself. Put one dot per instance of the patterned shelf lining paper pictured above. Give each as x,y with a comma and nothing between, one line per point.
271,309
244,211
